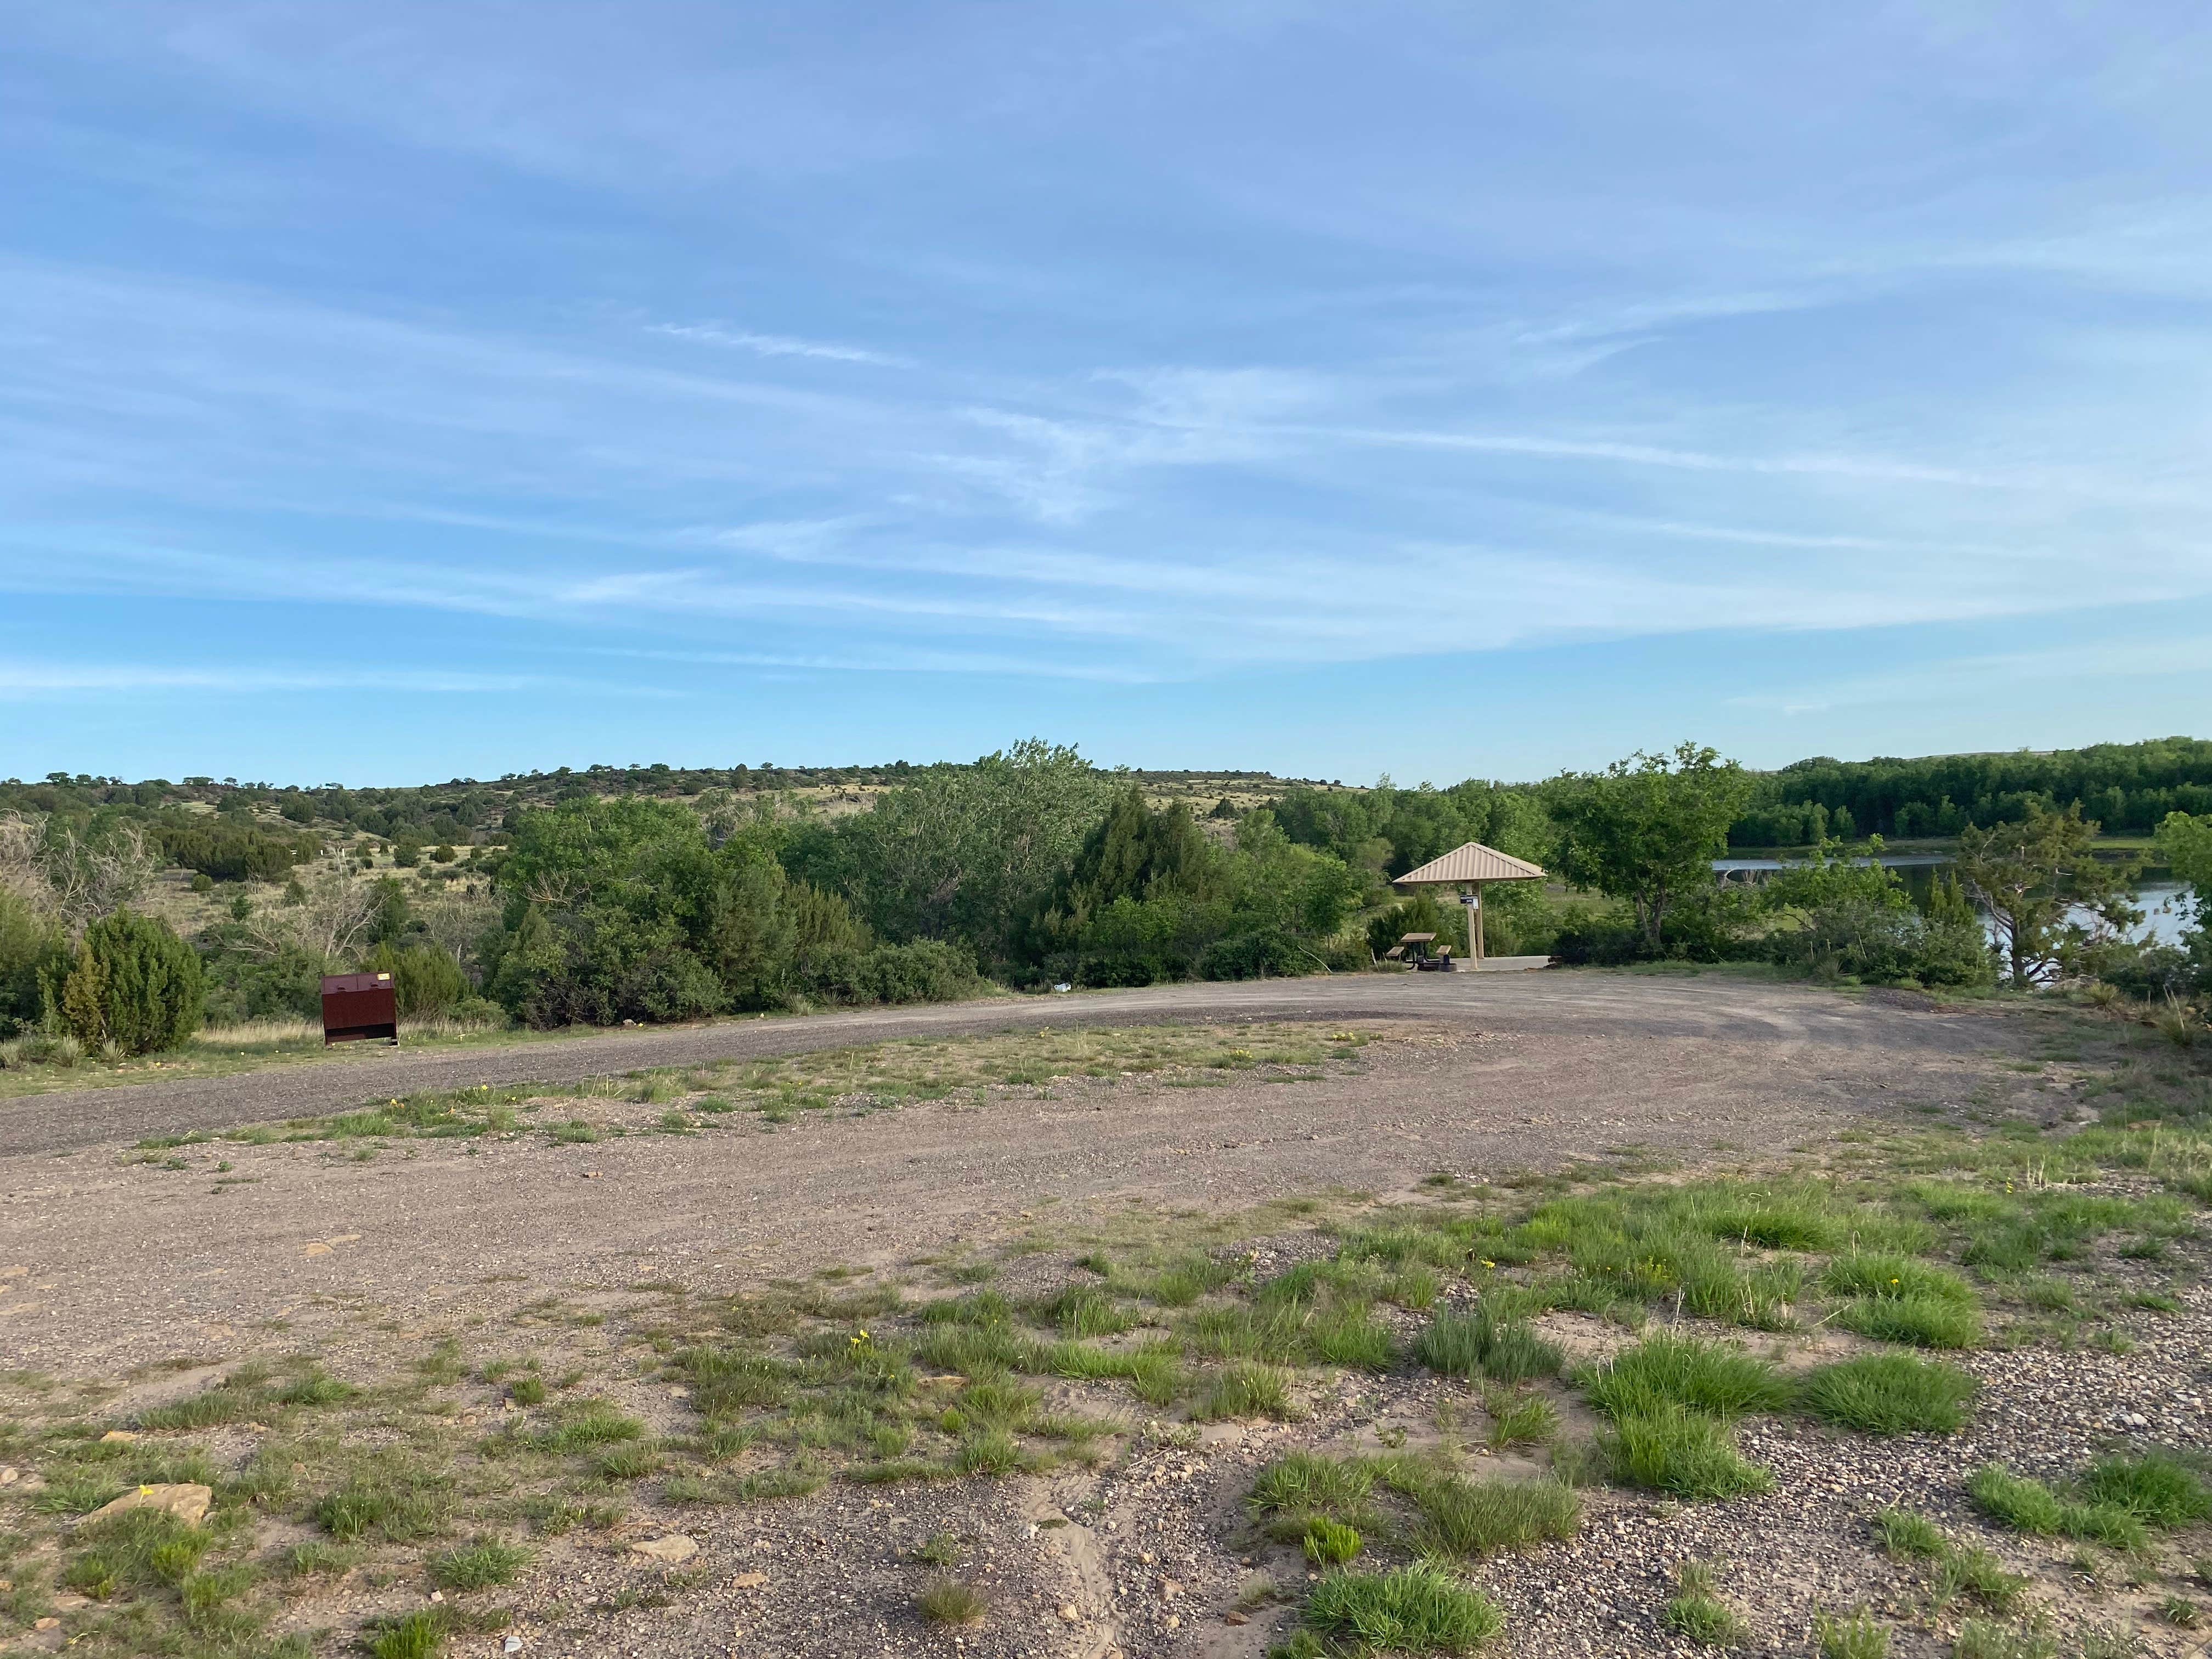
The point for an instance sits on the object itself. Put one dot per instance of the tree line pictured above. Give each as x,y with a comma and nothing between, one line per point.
1029,867
2126,788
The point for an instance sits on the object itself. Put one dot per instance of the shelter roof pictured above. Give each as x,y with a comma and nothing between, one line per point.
1471,863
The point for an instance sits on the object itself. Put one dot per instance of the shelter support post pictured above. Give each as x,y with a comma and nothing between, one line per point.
1472,897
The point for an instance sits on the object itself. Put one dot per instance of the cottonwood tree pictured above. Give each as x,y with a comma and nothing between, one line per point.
2039,880
1647,829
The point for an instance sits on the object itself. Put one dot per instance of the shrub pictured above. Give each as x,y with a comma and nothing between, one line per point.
1891,1394
425,980
33,953
134,984
1414,1610
1672,1448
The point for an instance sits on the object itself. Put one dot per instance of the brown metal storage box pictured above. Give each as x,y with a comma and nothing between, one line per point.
357,1007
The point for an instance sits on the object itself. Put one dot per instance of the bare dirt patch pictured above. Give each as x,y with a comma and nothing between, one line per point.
469,1299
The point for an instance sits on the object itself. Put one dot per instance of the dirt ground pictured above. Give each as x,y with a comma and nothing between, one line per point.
1558,1002
128,1263
118,1269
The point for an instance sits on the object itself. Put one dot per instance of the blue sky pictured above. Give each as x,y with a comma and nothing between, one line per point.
1442,391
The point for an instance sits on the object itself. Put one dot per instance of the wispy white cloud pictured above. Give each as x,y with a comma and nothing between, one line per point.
1975,677
779,345
31,680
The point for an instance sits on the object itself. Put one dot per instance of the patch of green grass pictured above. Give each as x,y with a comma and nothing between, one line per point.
412,1636
952,1603
1275,1335
1908,1534
1858,1636
137,1549
1978,1638
1156,1375
940,1549
726,1380
1247,1390
1354,1338
1330,1543
584,1424
2029,1506
992,1452
1482,1517
1307,1483
315,1387
228,1402
478,1565
392,1498
1518,1418
2157,1487
1891,1394
1897,1277
1485,1343
1417,1609
1920,1321
1689,1372
1977,1573
1696,1611
1088,1311
628,1461
1674,1449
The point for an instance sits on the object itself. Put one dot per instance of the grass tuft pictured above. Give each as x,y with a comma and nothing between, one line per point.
1687,1454
1704,1377
1485,1343
1417,1609
1858,1636
1245,1390
951,1602
1891,1394
478,1565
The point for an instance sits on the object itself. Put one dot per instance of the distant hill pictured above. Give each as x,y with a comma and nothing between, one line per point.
463,810
2127,787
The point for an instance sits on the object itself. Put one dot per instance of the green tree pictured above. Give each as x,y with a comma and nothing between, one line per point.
2185,841
967,852
1647,829
134,984
2034,877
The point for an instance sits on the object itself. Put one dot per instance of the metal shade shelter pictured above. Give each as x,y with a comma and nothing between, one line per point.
1470,869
